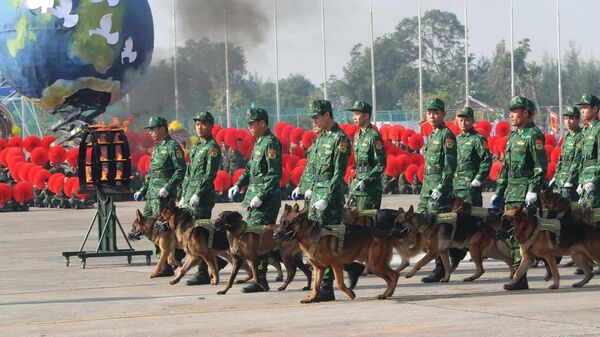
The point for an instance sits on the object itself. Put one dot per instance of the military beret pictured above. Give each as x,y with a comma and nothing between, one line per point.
435,104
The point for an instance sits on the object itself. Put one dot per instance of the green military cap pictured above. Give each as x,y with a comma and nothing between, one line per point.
589,99
362,106
256,114
319,107
466,112
205,116
572,111
155,121
521,102
435,104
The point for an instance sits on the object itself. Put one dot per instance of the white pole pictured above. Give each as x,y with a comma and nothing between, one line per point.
560,103
175,81
277,103
324,49
420,64
466,55
227,73
512,54
373,90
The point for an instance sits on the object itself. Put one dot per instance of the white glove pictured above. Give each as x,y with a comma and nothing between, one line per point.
295,193
255,202
475,183
530,198
181,203
308,194
435,194
163,193
589,187
568,185
579,190
320,205
552,182
233,192
194,201
360,186
137,196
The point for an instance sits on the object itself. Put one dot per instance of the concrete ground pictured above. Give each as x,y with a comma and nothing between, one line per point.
40,296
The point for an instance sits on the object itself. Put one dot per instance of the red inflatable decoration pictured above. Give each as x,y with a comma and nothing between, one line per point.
23,192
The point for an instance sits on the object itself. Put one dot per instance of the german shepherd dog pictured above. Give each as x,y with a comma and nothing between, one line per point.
561,208
577,238
165,240
437,238
244,245
194,241
361,243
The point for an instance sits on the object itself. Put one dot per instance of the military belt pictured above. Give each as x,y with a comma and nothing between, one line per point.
362,169
465,167
155,175
590,162
195,177
521,174
257,180
321,178
433,170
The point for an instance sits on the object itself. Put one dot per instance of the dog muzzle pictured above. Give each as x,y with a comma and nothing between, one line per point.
161,226
135,236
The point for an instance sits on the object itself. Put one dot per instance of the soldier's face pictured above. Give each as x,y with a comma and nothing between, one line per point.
203,129
257,128
571,122
465,124
588,112
322,122
158,133
435,117
361,119
518,117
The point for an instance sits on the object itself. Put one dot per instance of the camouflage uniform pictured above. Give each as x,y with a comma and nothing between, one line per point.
474,162
590,159
567,169
370,164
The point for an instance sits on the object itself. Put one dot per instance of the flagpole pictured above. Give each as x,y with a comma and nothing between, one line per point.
560,103
420,63
175,81
324,49
373,90
466,55
277,102
227,73
512,54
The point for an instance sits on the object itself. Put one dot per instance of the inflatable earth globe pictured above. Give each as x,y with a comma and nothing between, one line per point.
81,53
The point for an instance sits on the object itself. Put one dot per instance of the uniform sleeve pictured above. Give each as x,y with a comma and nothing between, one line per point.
449,155
560,163
540,163
186,179
502,182
144,188
272,176
340,161
306,178
485,158
596,179
379,159
213,161
244,177
574,169
179,165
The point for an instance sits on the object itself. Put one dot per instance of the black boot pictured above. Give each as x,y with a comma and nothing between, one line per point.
520,285
200,277
255,288
325,294
354,271
221,263
437,274
578,271
456,255
165,271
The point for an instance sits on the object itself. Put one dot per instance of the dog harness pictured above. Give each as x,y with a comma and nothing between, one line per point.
591,215
235,245
337,231
207,224
549,225
448,218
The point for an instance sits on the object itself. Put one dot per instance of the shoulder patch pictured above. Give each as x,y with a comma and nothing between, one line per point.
449,143
539,144
179,153
378,144
272,153
343,146
214,152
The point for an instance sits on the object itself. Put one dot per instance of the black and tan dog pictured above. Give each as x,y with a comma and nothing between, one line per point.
165,240
437,237
361,243
578,239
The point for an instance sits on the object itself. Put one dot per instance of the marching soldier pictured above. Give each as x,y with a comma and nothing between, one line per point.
330,161
567,169
262,175
474,160
366,189
198,190
308,174
524,170
589,177
167,169
440,165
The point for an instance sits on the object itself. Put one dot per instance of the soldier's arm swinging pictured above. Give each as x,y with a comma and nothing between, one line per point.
379,158
244,177
180,167
449,153
485,158
212,166
340,161
540,163
272,176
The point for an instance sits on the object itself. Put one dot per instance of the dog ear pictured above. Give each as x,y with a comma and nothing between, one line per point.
287,208
138,214
411,210
296,208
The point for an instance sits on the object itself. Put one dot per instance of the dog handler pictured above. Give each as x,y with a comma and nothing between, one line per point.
567,169
589,177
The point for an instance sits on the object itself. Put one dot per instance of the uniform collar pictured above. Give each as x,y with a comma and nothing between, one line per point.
526,127
335,127
267,133
573,133
162,142
436,129
592,123
361,131
204,141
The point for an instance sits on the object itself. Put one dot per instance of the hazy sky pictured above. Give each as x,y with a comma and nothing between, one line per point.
347,23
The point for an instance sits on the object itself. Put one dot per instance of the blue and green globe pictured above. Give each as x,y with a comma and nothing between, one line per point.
75,52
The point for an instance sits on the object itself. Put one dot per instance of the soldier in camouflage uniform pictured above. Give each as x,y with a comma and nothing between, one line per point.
305,187
523,172
167,169
474,160
366,189
262,175
236,160
589,177
440,165
331,158
198,190
567,169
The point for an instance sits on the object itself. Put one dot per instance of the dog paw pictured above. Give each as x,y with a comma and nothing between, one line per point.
381,297
282,288
409,275
554,286
222,292
547,278
174,282
153,275
468,279
240,281
306,289
577,285
352,295
308,299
